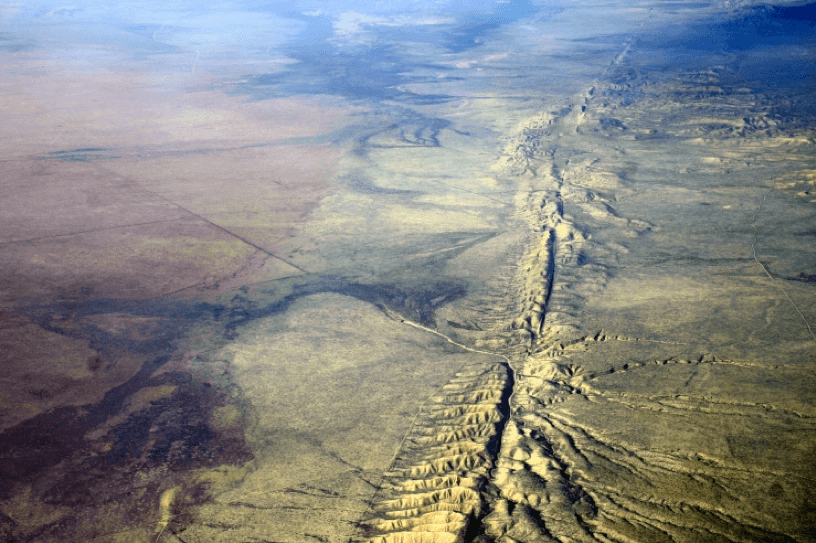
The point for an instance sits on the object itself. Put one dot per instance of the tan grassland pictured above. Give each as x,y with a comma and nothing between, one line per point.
599,326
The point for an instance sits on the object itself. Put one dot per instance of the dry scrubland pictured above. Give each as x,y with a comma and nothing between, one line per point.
659,358
603,335
643,373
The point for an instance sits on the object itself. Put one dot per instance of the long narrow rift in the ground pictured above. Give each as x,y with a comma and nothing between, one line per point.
433,272
455,477
658,320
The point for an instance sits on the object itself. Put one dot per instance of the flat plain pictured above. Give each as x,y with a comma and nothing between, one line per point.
525,272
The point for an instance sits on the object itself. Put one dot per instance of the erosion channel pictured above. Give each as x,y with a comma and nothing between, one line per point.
536,273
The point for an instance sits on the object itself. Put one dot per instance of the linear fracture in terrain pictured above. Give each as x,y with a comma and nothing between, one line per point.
469,470
509,452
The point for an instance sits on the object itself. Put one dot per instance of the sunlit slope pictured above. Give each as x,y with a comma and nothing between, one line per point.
661,357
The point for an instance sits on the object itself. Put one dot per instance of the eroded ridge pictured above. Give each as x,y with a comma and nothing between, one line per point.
560,477
591,455
532,494
433,491
610,434
481,463
563,265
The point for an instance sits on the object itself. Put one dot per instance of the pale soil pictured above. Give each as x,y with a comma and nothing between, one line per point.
592,321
